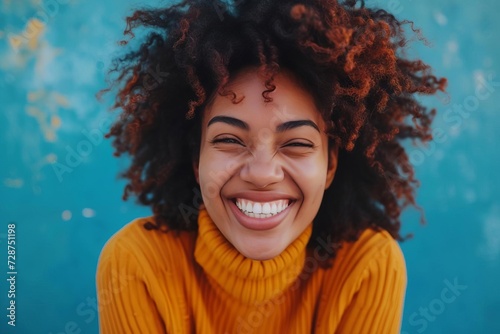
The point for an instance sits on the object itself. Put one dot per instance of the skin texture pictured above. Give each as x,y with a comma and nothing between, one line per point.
261,161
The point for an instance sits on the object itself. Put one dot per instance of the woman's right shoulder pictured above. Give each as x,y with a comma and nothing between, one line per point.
155,249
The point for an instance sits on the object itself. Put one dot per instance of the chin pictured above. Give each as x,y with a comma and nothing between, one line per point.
260,257
262,253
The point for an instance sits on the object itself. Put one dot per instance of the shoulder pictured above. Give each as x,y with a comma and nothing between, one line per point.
367,273
366,281
373,255
373,246
138,248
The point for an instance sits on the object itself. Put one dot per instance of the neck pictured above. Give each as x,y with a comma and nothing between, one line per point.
246,279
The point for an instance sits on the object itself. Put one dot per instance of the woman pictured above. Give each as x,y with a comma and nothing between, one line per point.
266,137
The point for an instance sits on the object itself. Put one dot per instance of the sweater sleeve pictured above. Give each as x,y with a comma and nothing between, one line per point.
125,304
377,305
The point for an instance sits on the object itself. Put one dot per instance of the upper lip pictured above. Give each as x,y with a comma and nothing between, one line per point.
261,196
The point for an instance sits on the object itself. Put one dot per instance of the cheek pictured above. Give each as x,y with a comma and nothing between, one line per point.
310,176
215,172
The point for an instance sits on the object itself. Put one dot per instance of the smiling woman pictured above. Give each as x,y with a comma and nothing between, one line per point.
285,120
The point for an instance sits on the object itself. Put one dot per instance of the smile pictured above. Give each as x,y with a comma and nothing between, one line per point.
261,209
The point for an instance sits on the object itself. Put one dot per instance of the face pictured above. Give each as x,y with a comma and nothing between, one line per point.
263,167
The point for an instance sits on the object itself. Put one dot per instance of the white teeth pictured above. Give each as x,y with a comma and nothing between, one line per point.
261,210
266,208
257,208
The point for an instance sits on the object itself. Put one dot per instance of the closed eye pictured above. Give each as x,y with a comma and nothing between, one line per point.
226,140
299,144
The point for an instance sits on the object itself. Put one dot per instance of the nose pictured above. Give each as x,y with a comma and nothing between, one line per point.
262,169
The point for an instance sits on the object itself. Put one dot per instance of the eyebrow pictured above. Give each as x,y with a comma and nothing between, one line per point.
229,120
295,124
280,128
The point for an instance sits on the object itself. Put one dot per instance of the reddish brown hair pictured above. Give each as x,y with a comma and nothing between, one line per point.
349,57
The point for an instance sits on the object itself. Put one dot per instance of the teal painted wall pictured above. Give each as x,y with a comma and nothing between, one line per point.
53,57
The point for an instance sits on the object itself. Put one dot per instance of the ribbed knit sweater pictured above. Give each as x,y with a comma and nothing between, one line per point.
197,282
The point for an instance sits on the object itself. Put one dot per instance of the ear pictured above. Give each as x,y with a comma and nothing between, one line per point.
196,170
332,165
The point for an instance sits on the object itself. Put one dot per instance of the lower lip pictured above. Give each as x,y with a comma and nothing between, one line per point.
258,224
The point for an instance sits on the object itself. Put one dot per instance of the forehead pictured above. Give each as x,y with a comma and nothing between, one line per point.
290,99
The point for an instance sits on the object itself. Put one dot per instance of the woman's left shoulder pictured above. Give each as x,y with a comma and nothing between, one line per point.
378,241
373,248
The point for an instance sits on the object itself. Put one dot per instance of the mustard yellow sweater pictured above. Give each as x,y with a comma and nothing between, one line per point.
187,282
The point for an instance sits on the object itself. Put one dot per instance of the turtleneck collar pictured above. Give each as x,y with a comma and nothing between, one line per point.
250,281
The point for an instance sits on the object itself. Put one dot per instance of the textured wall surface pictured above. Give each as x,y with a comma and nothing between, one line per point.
58,177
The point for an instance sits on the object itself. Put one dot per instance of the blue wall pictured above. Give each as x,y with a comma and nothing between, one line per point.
53,55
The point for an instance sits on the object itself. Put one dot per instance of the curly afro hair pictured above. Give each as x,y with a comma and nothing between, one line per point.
349,57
